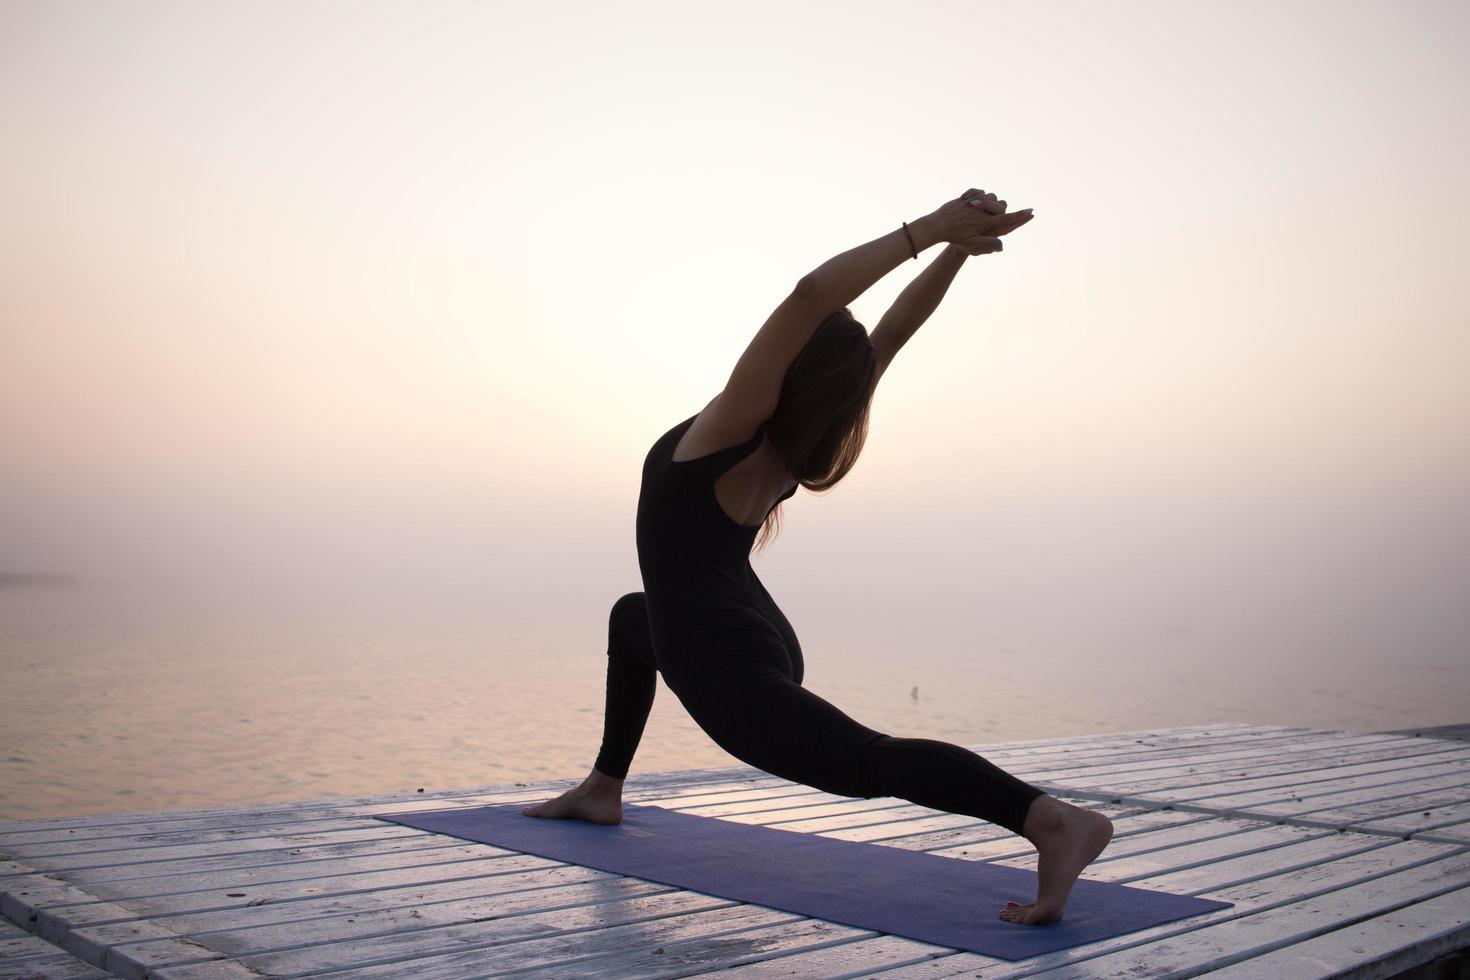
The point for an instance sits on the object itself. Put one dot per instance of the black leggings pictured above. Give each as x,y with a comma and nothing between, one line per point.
742,692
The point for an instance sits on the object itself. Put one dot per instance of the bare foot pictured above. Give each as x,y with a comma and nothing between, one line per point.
578,803
1068,839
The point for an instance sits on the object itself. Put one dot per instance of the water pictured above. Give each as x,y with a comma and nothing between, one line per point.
112,706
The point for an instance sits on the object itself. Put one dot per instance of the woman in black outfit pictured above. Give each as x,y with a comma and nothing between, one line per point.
795,411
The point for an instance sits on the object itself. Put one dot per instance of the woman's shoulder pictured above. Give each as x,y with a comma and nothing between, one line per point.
717,427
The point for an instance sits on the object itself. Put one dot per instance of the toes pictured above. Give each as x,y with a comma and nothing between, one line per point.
1014,912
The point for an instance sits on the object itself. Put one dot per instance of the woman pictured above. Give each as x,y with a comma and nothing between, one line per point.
795,411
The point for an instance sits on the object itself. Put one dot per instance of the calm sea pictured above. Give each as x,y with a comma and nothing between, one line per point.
111,705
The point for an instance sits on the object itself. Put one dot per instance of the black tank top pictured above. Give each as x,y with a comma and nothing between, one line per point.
695,559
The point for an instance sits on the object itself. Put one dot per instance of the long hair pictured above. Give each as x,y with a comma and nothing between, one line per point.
821,419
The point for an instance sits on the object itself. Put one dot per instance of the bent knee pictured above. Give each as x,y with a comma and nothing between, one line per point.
628,632
631,609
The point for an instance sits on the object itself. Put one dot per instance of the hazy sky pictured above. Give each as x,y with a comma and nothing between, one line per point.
409,289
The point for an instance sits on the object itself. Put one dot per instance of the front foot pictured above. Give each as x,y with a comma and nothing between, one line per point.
1030,914
578,804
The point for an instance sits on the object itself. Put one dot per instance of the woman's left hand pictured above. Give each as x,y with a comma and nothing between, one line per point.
1006,224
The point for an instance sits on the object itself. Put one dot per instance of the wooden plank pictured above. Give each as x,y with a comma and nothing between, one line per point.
719,803
1161,768
345,873
1423,810
734,930
24,956
1085,771
1458,832
1212,791
1181,733
1195,783
791,807
961,842
1221,944
1286,741
1459,732
1127,868
1261,894
1396,797
1380,947
1240,869
1153,835
1299,785
1144,743
579,915
141,856
221,896
911,820
302,865
1442,821
652,785
1404,815
24,903
327,915
679,959
279,817
123,850
55,966
853,959
155,848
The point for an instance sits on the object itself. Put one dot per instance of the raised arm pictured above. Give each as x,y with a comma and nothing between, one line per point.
914,305
921,298
754,387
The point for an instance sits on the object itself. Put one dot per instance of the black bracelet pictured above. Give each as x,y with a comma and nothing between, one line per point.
912,247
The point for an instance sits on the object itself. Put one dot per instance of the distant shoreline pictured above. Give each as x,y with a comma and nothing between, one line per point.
21,580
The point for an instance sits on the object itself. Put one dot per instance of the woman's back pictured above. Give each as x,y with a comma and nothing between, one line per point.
695,558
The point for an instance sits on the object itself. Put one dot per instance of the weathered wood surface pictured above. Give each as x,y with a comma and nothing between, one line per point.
25,956
1344,855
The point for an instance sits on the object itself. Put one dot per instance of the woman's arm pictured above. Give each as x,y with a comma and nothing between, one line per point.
974,221
846,276
754,387
915,305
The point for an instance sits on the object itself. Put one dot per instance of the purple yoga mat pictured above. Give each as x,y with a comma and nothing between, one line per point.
947,901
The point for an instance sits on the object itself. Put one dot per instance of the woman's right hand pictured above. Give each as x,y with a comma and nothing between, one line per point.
977,227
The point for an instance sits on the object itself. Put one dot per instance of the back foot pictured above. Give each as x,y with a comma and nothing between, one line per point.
1068,839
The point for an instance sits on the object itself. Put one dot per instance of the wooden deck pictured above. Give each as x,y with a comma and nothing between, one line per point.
1344,855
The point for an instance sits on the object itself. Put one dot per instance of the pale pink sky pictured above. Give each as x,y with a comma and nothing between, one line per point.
363,286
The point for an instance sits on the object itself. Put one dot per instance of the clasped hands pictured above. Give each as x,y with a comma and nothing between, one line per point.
975,222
